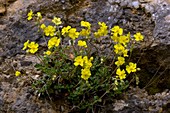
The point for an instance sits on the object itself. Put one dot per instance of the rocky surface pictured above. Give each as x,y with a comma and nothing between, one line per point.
138,101
150,17
16,93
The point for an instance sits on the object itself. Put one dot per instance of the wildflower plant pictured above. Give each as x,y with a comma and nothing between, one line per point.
74,70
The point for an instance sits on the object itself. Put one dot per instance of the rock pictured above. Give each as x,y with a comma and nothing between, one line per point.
119,105
26,63
125,3
149,8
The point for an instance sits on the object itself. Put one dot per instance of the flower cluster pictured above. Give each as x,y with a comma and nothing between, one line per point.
86,64
71,67
87,30
82,43
121,49
30,15
102,31
49,30
71,32
53,42
31,47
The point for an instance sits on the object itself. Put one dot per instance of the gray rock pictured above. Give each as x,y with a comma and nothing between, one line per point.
149,8
124,3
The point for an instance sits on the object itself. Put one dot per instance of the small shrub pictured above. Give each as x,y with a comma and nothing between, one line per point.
74,71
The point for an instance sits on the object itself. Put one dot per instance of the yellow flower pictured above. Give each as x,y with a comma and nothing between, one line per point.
65,30
85,32
121,74
17,73
131,67
86,24
55,41
125,52
87,62
114,37
78,61
82,43
117,30
73,34
56,21
30,14
39,16
43,26
119,48
85,73
121,61
25,45
85,59
102,31
48,52
49,31
33,47
124,40
138,36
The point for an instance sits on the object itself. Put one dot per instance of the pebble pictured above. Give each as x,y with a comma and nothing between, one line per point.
135,4
119,105
124,3
63,1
